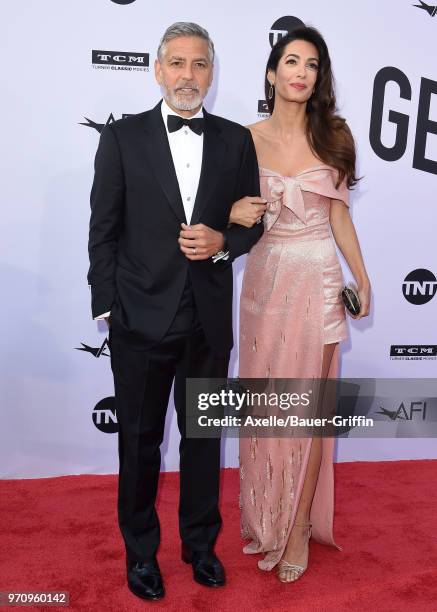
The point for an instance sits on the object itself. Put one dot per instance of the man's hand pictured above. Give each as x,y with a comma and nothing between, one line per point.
248,211
199,241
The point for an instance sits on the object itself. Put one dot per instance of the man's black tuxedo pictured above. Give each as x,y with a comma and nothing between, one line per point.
137,269
171,318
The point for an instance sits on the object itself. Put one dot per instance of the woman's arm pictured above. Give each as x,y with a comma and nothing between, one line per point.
248,211
346,238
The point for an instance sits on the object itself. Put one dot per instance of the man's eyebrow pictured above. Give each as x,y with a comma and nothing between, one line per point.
182,59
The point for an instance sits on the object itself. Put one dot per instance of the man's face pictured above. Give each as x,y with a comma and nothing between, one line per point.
184,72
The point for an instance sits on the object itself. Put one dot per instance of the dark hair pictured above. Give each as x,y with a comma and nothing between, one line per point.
328,134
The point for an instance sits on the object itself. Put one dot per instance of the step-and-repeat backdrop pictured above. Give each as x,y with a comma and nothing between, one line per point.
71,67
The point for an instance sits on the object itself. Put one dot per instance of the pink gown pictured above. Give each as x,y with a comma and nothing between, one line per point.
290,307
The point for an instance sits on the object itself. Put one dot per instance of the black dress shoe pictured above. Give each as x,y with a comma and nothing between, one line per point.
144,579
207,567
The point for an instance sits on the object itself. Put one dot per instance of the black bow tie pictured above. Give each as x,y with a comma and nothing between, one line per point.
175,122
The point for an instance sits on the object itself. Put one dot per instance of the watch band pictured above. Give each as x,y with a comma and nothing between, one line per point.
223,254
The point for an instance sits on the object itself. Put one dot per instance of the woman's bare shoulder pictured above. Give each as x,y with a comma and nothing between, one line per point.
258,129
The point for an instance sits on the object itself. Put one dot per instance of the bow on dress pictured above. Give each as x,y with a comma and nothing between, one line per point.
287,191
283,191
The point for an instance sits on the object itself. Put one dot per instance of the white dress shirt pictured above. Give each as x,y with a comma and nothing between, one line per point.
186,150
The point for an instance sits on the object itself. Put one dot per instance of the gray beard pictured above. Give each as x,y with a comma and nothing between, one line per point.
182,104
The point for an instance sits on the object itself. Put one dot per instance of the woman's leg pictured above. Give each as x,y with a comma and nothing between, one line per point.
296,550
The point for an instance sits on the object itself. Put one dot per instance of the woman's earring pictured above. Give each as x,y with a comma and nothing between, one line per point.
271,91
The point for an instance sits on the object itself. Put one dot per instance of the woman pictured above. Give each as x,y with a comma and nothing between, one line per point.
291,314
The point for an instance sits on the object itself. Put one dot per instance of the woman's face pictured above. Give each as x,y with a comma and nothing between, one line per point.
296,73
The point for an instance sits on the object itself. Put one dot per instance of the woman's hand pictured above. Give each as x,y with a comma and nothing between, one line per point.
248,211
364,297
347,241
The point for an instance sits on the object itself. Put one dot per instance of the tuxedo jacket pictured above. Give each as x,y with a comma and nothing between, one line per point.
137,270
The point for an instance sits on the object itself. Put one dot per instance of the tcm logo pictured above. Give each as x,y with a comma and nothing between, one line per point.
413,352
405,412
431,10
263,109
119,60
282,27
104,417
419,286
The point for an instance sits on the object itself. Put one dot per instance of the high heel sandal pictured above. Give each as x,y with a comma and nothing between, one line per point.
290,572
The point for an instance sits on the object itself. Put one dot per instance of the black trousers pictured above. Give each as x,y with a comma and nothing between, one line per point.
143,381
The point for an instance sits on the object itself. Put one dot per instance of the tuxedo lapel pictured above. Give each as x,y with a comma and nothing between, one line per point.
161,161
214,148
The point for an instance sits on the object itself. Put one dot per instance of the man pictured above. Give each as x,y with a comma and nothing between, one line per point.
160,272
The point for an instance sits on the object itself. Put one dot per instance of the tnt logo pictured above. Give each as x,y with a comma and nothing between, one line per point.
282,27
104,417
419,286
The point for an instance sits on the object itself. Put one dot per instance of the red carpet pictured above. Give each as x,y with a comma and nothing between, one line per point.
61,534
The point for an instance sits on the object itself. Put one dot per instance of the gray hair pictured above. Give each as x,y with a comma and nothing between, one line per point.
185,28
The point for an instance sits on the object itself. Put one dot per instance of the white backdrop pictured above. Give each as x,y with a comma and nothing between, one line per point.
49,389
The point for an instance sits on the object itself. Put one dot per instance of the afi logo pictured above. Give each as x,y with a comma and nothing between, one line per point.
99,126
282,27
405,412
104,417
419,286
431,10
95,351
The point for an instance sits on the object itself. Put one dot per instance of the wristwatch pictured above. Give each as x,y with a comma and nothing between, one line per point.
223,254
